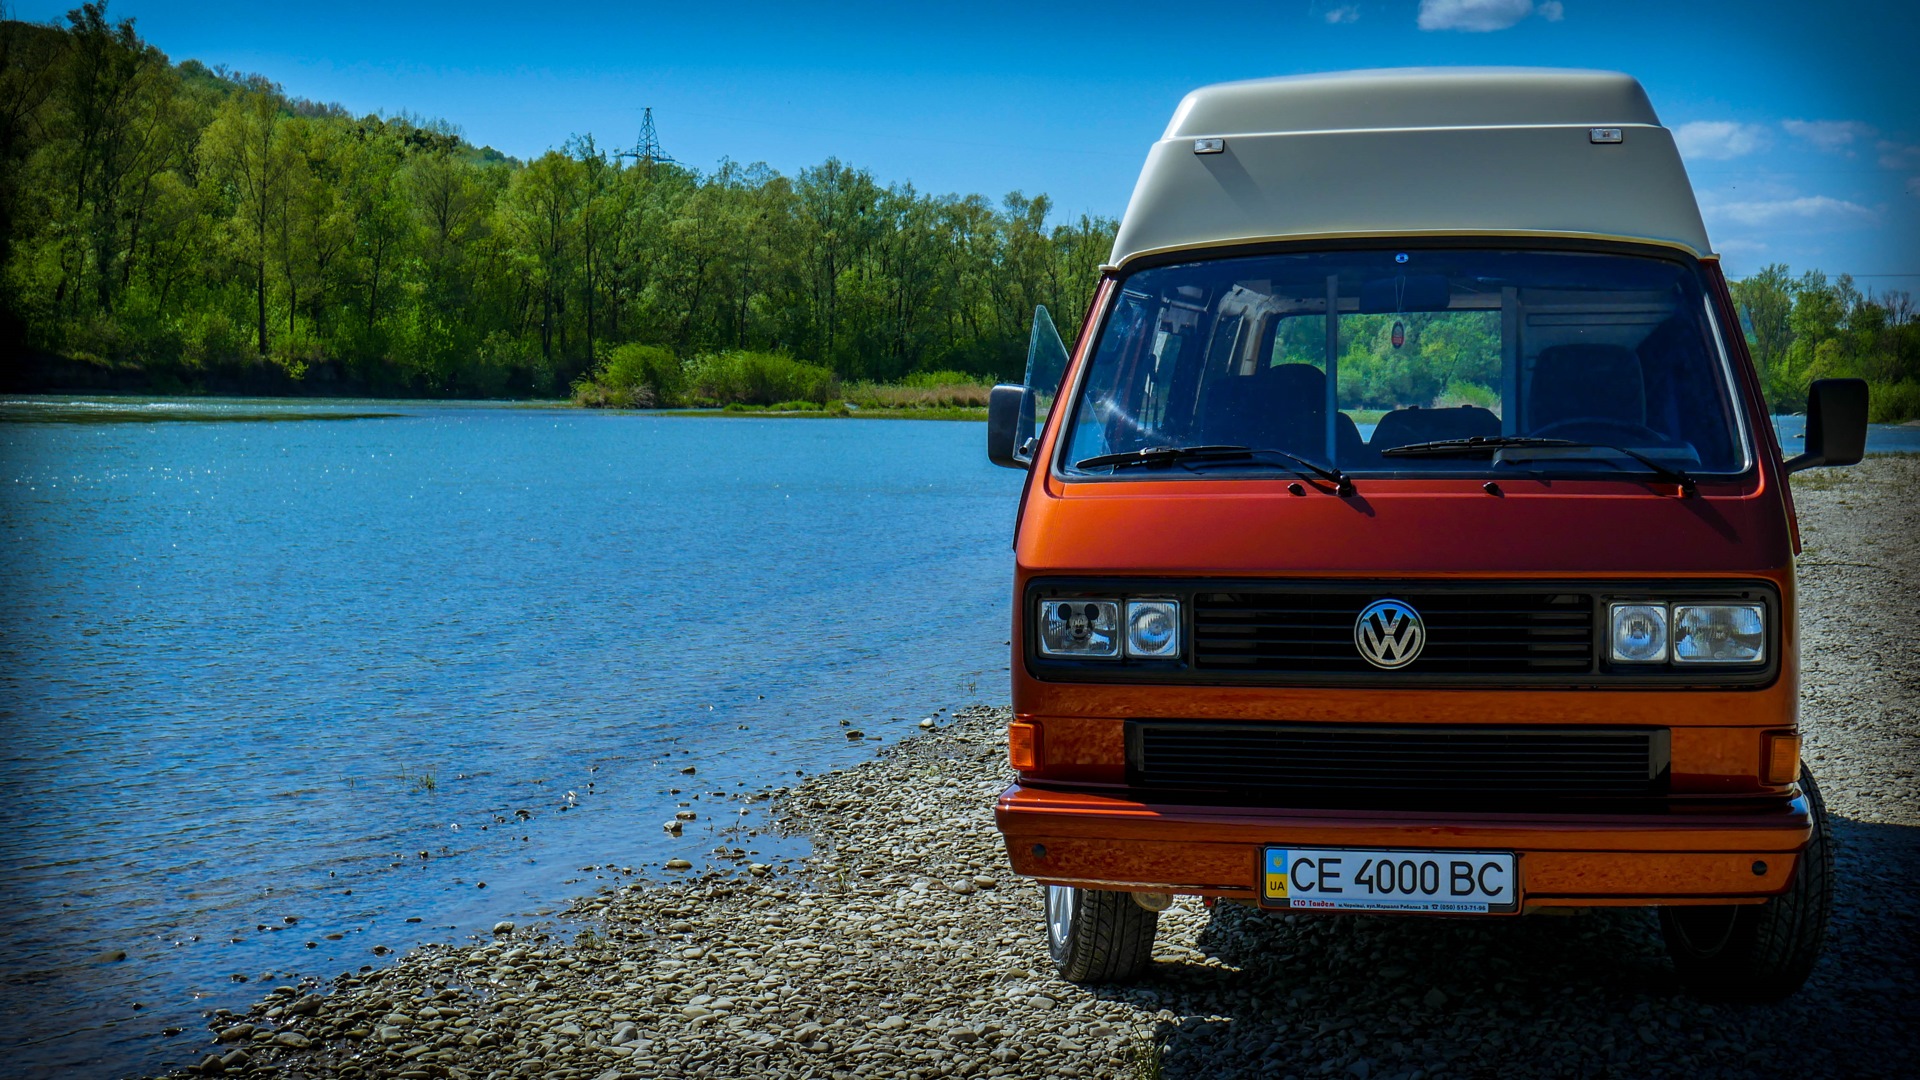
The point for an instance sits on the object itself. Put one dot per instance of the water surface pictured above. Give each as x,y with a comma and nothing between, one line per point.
272,672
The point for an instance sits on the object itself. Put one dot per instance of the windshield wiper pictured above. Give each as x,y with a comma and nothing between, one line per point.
1491,443
1154,456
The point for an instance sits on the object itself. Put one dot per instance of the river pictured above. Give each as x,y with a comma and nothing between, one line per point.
283,683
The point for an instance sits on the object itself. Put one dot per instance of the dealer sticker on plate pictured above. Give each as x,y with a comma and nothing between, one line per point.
1362,879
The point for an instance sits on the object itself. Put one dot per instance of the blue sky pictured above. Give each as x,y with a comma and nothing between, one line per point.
1799,119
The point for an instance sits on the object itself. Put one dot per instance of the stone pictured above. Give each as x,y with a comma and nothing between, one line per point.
1435,998
679,864
504,926
293,1039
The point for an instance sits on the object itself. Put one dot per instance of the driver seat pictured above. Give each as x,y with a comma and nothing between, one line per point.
1586,381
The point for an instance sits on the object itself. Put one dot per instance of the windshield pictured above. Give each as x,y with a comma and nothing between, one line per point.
1373,362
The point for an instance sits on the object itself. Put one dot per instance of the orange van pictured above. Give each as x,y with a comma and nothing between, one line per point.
1406,532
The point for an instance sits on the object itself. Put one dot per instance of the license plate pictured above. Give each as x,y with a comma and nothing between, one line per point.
1363,879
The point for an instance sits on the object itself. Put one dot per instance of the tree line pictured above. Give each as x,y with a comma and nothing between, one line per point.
179,226
174,226
1811,327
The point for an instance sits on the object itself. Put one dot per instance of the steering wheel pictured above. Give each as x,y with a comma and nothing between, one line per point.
1618,432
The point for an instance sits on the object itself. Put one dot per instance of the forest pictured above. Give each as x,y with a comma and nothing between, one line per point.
179,228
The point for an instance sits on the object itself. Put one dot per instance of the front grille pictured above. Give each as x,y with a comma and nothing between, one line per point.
1314,761
1467,633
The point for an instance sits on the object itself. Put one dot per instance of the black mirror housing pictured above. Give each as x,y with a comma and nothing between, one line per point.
1836,424
1009,419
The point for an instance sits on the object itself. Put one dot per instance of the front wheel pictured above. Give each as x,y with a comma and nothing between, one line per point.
1095,936
1759,952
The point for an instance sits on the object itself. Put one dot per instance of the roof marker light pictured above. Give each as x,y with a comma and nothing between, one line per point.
1209,146
1603,135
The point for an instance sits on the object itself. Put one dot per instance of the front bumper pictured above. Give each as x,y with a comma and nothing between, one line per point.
1686,856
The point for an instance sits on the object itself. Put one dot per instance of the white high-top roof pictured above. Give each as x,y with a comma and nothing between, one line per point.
1413,152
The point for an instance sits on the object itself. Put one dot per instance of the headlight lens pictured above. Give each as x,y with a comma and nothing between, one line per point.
1153,628
1640,633
1719,634
1080,628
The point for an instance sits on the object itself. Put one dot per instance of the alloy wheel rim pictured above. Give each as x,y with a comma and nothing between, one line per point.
1060,904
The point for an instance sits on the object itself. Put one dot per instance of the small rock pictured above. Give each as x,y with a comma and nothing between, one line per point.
679,864
235,1033
1435,998
293,1039
927,723
504,926
686,815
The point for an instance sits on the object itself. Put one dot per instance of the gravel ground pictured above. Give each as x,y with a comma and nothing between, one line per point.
902,947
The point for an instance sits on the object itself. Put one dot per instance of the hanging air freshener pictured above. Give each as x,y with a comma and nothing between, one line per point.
1399,334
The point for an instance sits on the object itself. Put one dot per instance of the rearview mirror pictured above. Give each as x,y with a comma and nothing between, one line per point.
1009,423
1836,424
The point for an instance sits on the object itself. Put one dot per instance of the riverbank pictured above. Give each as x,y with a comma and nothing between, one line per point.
901,947
840,413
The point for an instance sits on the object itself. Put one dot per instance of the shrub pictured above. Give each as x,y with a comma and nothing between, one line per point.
633,366
756,378
1461,392
1893,403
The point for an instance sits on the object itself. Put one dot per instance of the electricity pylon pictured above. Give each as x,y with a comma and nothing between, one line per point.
647,150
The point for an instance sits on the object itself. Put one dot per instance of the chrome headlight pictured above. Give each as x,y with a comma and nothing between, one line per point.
1153,628
1639,634
1719,634
1083,629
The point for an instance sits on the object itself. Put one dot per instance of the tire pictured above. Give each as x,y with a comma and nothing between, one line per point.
1759,952
1096,936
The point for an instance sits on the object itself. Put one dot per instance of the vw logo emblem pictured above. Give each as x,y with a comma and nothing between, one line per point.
1389,634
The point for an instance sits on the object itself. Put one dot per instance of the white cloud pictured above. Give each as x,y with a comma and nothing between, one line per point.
1900,156
1718,140
1829,134
1479,15
1804,208
1913,186
1552,10
1348,14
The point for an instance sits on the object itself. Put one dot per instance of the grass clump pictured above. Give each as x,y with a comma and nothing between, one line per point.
921,390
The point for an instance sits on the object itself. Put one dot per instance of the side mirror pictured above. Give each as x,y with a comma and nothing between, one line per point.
1836,424
1009,418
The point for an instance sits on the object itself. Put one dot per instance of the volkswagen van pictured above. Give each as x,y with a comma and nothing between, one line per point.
1405,532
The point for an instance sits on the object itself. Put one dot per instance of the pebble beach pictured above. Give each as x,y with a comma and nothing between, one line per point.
901,946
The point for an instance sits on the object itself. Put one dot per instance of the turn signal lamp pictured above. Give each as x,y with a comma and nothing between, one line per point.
1023,745
1783,758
